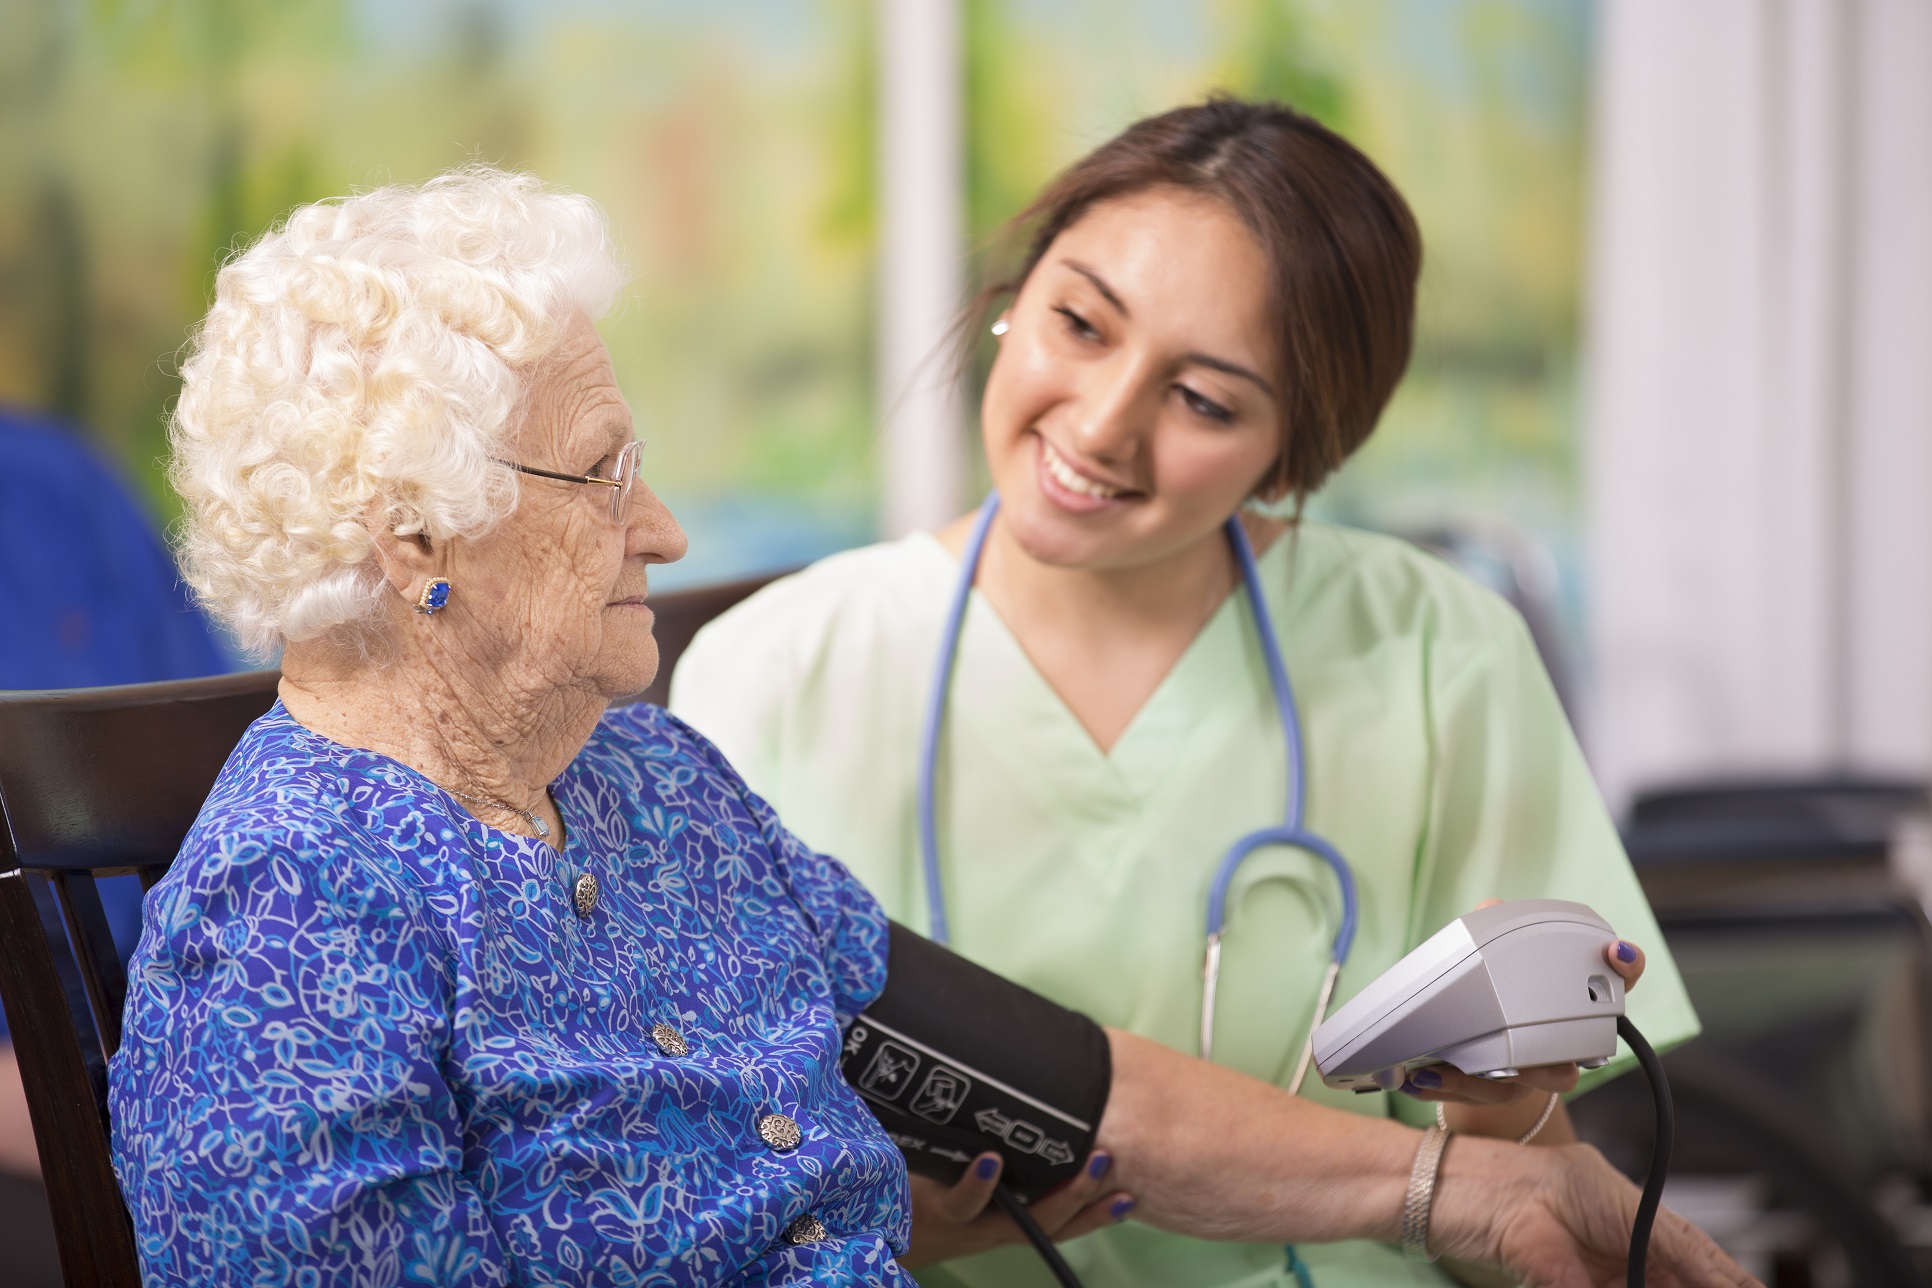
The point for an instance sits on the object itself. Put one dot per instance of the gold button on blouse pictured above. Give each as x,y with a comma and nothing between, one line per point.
780,1132
669,1040
584,897
807,1229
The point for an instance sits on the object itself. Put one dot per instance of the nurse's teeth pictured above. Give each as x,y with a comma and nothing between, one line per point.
1071,479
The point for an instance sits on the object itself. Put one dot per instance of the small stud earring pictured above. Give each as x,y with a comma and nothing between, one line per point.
435,595
999,327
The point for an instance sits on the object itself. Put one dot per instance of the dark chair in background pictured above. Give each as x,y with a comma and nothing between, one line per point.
680,614
93,783
99,782
1805,1109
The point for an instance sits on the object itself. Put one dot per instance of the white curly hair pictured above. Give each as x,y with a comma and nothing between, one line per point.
363,360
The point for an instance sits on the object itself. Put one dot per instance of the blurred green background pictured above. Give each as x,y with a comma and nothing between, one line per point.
731,141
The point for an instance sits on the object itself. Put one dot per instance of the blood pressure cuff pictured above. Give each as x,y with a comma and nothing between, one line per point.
954,1061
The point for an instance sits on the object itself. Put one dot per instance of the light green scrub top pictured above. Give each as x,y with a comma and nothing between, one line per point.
1438,762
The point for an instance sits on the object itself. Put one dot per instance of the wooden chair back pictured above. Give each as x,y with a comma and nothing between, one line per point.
99,782
680,614
93,782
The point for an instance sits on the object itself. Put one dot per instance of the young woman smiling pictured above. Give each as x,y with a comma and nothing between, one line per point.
1210,310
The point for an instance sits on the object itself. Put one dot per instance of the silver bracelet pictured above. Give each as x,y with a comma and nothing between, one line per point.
1442,1119
1548,1109
1422,1194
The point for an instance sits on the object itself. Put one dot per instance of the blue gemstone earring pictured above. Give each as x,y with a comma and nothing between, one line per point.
435,595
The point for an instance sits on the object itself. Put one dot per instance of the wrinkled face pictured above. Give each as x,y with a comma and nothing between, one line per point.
1133,405
558,588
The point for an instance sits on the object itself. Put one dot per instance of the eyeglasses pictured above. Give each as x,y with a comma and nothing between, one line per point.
620,486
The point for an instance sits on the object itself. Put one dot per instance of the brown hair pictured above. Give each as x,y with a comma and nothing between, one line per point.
1342,247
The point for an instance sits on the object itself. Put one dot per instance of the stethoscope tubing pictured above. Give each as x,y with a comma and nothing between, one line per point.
1291,834
942,683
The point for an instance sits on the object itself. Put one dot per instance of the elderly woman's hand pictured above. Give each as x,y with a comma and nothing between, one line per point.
1562,1217
1214,1154
957,1220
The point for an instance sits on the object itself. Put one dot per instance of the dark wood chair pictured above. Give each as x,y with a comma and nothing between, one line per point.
93,782
100,782
680,614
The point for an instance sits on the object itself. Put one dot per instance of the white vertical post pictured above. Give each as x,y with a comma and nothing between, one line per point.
1889,407
921,262
1707,648
1759,444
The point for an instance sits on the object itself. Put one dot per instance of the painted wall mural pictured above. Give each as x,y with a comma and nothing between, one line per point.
731,142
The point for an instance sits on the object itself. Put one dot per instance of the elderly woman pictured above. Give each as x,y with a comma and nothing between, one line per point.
465,977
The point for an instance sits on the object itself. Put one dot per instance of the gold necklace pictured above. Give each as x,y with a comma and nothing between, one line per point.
541,828
583,893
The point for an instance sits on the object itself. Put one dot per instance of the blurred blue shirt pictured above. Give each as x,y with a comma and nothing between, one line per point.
91,594
88,592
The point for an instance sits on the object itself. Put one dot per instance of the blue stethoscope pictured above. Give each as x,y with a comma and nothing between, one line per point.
1291,833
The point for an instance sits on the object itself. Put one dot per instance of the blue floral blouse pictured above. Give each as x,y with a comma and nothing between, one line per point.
368,1039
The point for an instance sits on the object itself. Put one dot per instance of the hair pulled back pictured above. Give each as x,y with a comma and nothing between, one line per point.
1342,248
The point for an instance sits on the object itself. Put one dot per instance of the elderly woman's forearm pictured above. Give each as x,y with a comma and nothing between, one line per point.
1210,1152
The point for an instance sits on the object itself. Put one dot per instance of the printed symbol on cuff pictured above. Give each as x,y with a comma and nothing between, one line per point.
890,1072
920,1145
1023,1137
941,1094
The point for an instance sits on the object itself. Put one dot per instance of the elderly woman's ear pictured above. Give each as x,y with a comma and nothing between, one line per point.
409,560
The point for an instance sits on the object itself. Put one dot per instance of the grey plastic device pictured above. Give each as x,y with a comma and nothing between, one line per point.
1497,991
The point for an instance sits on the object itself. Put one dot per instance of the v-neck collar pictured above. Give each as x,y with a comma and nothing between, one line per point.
1193,699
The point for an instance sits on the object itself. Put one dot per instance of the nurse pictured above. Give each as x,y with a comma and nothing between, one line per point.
1210,310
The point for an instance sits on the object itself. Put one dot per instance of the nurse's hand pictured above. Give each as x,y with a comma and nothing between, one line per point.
1507,1107
958,1220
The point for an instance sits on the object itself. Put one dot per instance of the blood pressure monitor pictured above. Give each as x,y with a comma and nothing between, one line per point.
1500,990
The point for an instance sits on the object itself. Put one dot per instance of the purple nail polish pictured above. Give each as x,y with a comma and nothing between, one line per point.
1626,952
1427,1079
1098,1165
986,1167
1121,1208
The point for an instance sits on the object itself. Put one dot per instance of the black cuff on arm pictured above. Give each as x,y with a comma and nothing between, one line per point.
954,1060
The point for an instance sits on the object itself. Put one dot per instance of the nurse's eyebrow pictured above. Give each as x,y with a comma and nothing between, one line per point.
1099,284
1231,368
1197,358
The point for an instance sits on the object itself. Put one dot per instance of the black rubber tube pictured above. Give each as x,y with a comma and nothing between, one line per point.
1659,1148
1010,1204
